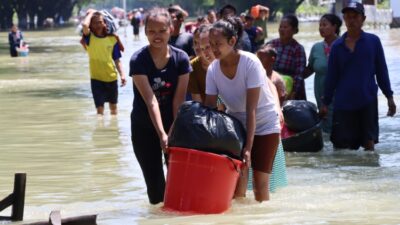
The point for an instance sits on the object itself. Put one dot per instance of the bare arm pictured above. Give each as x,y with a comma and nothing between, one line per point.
86,21
118,64
142,84
211,101
263,8
308,71
197,98
277,100
252,97
180,92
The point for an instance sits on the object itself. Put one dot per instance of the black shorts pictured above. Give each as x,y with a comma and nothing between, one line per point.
353,128
104,92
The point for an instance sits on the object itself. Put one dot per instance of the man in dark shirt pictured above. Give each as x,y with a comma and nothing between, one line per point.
356,60
183,41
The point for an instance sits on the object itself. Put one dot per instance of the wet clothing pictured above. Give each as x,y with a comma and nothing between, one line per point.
197,79
183,41
102,52
146,146
318,61
291,60
353,128
351,75
14,39
145,140
278,178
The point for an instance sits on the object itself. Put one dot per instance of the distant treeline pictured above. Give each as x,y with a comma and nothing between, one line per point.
197,6
35,13
27,10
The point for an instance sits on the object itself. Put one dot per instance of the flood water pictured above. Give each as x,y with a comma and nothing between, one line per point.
81,164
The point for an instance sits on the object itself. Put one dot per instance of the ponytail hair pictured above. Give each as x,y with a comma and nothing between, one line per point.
230,27
334,20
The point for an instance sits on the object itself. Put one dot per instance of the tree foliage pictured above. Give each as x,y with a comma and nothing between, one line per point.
27,10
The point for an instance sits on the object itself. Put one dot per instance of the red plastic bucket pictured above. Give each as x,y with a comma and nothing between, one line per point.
200,182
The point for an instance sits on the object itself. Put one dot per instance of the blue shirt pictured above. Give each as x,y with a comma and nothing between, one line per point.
162,81
351,75
252,33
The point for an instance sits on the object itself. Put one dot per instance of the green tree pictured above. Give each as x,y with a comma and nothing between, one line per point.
6,14
26,10
287,6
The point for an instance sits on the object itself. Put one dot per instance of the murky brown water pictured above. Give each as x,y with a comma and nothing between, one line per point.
80,164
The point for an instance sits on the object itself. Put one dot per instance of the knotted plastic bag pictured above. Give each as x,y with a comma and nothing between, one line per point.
205,129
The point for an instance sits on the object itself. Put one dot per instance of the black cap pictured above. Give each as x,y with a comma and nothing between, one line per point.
355,6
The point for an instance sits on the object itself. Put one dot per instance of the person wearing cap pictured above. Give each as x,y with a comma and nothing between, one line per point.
356,60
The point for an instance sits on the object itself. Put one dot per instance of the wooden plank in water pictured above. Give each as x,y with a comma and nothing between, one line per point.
55,219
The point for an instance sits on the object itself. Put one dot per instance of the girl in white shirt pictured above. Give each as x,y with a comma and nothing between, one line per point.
239,79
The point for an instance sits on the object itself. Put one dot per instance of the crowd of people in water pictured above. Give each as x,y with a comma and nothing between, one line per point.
224,61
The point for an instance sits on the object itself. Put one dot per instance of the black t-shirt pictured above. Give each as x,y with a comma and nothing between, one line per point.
163,82
244,42
183,41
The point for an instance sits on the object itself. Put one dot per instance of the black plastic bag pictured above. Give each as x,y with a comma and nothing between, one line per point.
205,129
300,115
309,140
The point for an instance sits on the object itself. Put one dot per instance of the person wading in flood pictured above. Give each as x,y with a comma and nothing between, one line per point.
238,77
104,53
160,74
356,60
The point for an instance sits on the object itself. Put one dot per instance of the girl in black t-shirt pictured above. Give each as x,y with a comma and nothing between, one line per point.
160,75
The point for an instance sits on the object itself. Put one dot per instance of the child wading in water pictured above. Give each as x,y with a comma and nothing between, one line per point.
238,77
160,74
104,52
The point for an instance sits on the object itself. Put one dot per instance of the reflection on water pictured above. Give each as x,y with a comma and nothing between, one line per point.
81,164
